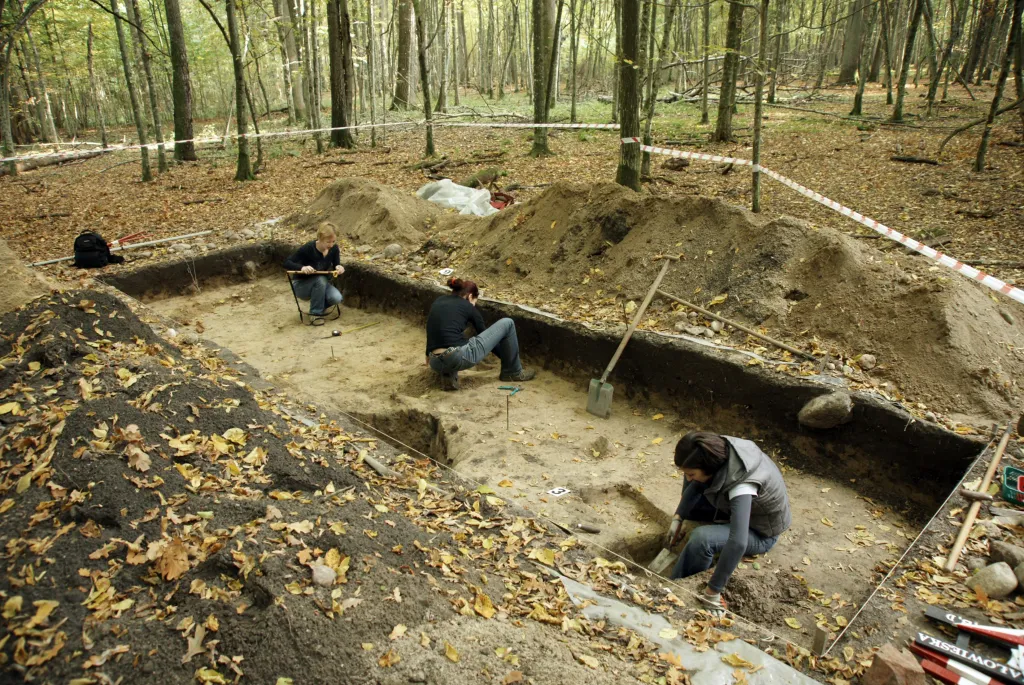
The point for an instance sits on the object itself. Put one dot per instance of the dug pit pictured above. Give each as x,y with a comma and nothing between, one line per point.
856,500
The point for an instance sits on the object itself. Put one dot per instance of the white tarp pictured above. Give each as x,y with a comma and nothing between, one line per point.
467,200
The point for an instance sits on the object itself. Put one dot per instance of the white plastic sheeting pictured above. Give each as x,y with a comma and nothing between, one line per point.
467,200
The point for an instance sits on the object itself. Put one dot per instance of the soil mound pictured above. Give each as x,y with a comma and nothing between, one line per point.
160,517
21,284
939,338
367,212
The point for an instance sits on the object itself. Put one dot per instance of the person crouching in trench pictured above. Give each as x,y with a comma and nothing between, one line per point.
321,254
448,350
738,490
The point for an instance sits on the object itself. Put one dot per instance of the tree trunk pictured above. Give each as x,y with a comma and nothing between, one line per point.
403,75
489,51
908,49
706,74
308,32
628,171
1004,71
853,39
49,128
762,65
137,31
288,20
337,27
456,41
463,52
442,80
97,94
986,17
286,68
421,44
243,171
858,99
140,127
887,50
181,91
956,28
6,130
657,66
777,58
371,62
543,36
727,97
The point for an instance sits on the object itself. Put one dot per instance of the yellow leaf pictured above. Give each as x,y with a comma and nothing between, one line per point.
397,632
506,483
23,483
841,621
668,633
544,556
451,652
736,661
389,658
12,607
424,639
589,661
10,408
793,623
718,299
828,523
235,435
483,605
657,417
209,675
657,441
367,646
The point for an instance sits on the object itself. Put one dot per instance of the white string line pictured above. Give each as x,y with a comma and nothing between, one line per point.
200,141
910,546
562,527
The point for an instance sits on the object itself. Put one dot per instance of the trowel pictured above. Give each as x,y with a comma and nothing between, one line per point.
663,563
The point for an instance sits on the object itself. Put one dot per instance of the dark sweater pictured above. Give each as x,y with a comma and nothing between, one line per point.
308,255
447,321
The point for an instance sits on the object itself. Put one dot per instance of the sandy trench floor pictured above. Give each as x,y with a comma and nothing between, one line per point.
619,471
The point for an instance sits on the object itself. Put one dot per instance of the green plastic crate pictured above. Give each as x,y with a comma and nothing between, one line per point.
1013,484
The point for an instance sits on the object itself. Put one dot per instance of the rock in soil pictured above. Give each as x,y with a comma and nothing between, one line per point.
868,361
827,411
324,576
393,250
1004,551
894,667
995,580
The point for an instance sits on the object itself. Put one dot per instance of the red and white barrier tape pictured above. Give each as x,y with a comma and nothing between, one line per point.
933,254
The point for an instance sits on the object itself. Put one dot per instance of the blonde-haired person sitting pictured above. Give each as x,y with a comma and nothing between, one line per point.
321,254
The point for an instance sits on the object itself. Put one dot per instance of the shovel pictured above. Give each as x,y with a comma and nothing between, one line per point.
662,563
599,398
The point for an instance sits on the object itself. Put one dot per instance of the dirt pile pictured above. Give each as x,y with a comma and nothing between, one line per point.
586,250
21,284
162,517
367,212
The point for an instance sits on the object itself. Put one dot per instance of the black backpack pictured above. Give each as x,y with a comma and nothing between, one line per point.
92,252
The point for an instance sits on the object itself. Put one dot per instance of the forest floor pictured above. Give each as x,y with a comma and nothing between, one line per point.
980,215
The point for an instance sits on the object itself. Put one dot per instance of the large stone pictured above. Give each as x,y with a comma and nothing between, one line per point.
827,411
1004,551
393,250
363,249
1019,572
324,576
894,667
995,580
868,361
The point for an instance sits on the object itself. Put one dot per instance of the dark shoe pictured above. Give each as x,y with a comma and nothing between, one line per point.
523,375
449,382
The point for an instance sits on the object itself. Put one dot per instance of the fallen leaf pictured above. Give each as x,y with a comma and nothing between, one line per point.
389,658
397,632
657,417
451,652
512,678
793,623
657,441
736,661
195,644
506,483
483,605
589,660
668,633
138,459
173,562
828,523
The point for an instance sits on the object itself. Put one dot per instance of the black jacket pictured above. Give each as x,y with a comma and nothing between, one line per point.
447,320
308,255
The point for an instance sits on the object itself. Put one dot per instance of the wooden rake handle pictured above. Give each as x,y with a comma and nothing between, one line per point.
312,273
636,320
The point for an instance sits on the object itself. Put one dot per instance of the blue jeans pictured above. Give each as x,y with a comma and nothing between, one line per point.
319,291
708,540
500,338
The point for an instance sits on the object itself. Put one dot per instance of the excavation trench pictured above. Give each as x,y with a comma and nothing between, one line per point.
859,493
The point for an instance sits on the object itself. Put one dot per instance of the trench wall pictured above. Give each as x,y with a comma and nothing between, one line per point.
884,452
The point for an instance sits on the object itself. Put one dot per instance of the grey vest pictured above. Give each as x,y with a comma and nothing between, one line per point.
769,514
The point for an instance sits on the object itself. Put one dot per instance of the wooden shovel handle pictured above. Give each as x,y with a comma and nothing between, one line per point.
636,320
312,273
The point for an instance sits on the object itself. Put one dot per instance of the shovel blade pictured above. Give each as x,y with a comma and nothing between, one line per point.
599,398
662,563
